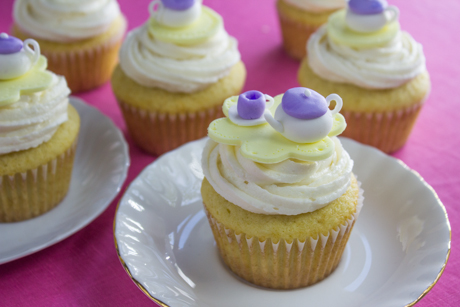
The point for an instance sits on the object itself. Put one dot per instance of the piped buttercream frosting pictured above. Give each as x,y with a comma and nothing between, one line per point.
65,21
186,68
290,187
381,67
34,118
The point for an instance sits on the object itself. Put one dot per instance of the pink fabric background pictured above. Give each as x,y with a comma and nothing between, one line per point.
84,270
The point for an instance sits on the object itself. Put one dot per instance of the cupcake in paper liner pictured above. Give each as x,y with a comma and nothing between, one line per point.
38,132
175,71
301,18
379,71
279,192
80,39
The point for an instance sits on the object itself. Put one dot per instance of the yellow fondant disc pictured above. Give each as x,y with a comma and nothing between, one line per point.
205,27
338,31
35,80
263,144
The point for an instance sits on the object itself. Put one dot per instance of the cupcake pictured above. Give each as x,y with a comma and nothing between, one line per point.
375,67
300,18
80,39
279,192
38,132
174,73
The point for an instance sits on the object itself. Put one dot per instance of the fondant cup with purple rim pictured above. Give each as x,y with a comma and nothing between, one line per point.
16,57
304,115
250,108
251,105
370,15
175,13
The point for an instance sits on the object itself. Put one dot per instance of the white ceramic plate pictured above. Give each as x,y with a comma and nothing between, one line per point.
100,168
166,245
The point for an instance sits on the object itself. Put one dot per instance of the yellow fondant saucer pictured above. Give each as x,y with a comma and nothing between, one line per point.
205,27
263,144
338,31
35,80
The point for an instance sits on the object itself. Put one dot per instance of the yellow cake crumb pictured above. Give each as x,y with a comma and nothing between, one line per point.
298,15
278,227
162,101
62,140
358,99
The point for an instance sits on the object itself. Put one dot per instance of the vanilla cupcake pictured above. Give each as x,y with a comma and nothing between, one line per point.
279,192
375,67
301,18
80,38
174,73
38,132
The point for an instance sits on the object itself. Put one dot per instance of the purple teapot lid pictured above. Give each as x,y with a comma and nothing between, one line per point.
178,5
9,44
303,103
367,7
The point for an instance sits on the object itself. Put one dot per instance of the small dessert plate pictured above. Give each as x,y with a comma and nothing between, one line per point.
396,253
100,169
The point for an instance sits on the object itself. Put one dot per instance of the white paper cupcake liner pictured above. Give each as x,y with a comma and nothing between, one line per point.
88,67
283,264
158,133
85,69
295,36
388,131
36,191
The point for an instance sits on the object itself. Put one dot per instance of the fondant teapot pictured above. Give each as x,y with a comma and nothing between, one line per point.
16,57
303,116
175,13
370,15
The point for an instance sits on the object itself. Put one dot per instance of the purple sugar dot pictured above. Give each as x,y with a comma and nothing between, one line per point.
178,5
251,105
9,44
297,104
367,7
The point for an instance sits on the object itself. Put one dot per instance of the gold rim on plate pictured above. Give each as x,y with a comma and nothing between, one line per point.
138,284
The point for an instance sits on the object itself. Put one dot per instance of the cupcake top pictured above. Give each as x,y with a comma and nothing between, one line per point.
179,49
318,6
363,45
33,101
283,164
65,20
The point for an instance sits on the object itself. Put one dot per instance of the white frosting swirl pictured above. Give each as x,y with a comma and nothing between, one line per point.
290,187
385,67
35,118
154,63
318,6
65,20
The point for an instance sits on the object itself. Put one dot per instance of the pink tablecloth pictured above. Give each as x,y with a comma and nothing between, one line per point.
84,270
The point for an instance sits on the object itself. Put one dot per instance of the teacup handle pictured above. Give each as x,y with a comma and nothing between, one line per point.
338,103
394,11
33,54
154,12
269,101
